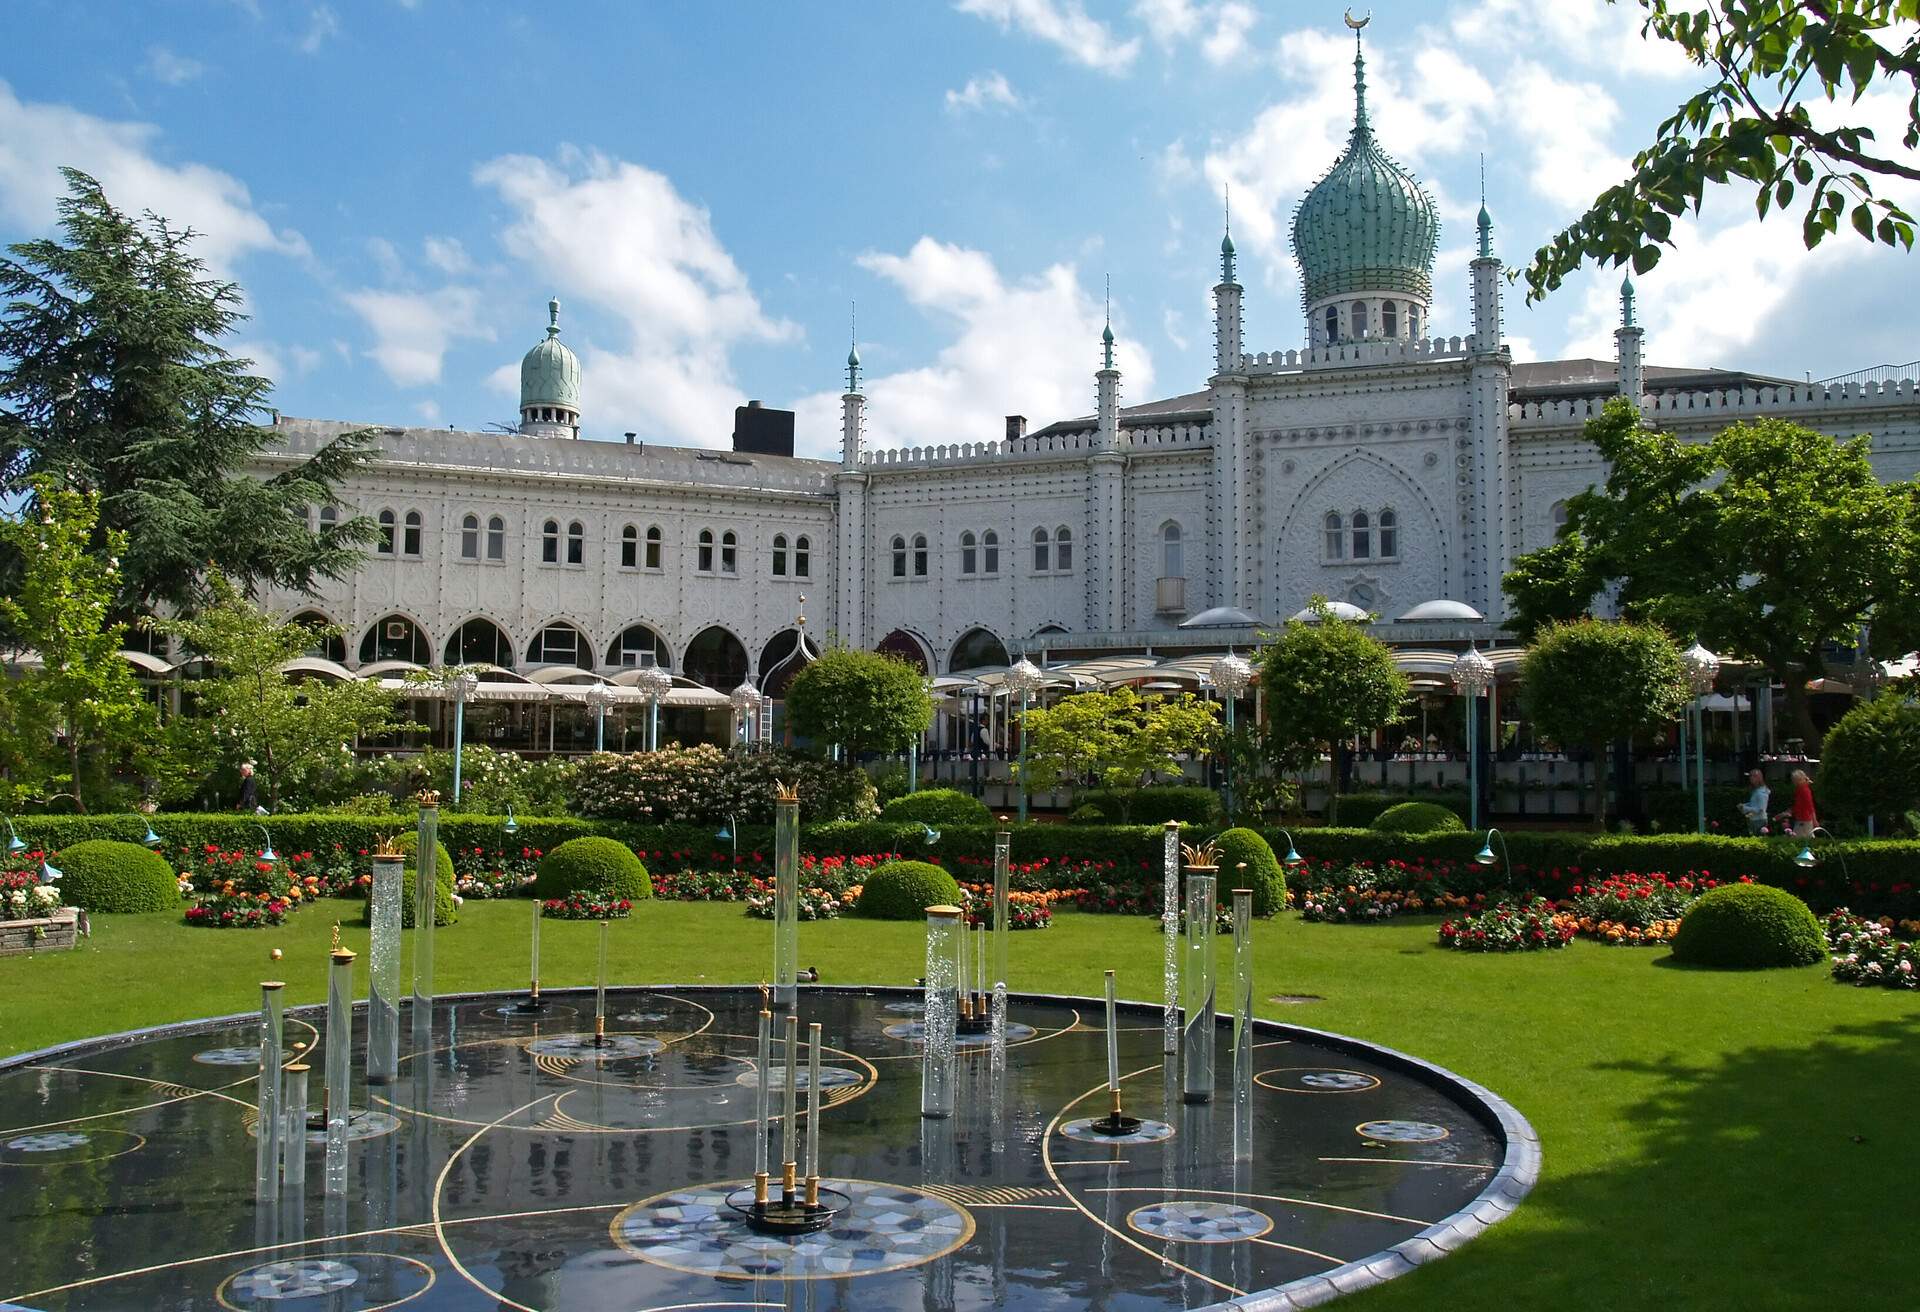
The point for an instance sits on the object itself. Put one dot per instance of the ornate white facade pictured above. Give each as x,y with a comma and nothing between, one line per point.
1379,466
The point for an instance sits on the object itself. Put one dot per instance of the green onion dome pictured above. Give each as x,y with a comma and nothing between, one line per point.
550,373
1367,225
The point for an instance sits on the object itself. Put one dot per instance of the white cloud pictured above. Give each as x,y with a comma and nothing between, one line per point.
1566,128
1173,325
322,26
1228,39
1600,34
1063,24
386,256
414,330
37,138
173,69
620,237
429,411
1028,346
448,255
984,91
274,362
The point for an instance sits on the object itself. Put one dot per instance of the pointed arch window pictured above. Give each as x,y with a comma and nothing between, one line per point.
899,556
654,543
919,555
1063,548
1336,536
550,542
470,537
969,555
1362,536
779,555
385,545
1357,320
629,547
410,533
1042,551
496,538
705,562
729,553
1173,557
329,518
990,552
1557,514
1389,534
576,543
1389,319
802,557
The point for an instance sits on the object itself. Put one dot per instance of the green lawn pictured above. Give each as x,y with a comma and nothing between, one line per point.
1712,1140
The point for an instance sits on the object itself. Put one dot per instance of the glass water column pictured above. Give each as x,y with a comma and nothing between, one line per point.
997,1018
786,896
762,1119
1170,931
293,1130
339,1063
1242,1023
426,882
942,1001
1198,978
266,1167
383,971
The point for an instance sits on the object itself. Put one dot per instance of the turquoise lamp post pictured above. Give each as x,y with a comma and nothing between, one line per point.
14,846
1231,675
1024,679
1485,856
1703,668
1472,675
459,688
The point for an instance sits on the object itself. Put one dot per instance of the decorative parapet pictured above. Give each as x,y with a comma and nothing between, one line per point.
1351,355
1067,444
1682,407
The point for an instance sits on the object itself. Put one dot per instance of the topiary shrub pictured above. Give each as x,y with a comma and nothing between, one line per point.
1418,818
937,807
1086,814
102,875
444,910
903,890
1263,873
592,865
1155,806
1748,927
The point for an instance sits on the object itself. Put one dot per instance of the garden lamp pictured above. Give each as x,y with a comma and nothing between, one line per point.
1485,856
931,834
1023,680
152,839
726,835
14,845
512,826
267,853
1808,859
49,873
1293,857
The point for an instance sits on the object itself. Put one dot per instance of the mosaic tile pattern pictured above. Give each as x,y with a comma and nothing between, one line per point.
301,1278
238,1056
1149,1132
1200,1222
1402,1131
831,1077
885,1228
1309,1079
53,1142
913,1031
581,1047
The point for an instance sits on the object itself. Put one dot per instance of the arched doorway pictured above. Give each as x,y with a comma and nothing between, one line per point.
332,647
637,646
480,642
560,644
977,649
780,662
395,638
717,659
907,647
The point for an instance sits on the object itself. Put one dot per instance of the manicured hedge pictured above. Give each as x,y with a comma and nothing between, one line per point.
602,866
937,807
903,890
1749,927
444,911
102,874
1263,874
1418,818
1154,806
1359,809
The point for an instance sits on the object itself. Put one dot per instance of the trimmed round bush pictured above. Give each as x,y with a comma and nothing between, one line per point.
903,890
600,866
1418,818
936,807
1086,814
1749,927
444,912
102,875
1263,873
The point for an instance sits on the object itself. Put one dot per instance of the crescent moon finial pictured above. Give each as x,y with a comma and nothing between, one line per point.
1357,24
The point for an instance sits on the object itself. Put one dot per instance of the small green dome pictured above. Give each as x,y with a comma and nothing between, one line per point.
550,373
1367,225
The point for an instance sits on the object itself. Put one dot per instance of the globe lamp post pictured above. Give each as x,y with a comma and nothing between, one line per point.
653,684
459,687
598,698
1702,668
1230,675
1025,679
1472,675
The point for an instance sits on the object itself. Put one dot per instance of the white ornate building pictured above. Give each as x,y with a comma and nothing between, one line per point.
1380,465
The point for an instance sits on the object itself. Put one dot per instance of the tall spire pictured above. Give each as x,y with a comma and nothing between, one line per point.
553,317
1226,241
1360,124
853,347
1106,334
1485,222
1626,301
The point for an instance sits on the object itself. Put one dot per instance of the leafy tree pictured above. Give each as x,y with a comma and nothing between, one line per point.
113,381
1592,681
1117,739
865,701
1768,542
1781,76
1326,680
82,694
299,733
1870,762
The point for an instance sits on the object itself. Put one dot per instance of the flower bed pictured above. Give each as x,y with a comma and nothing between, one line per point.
809,903
586,906
22,895
239,890
1509,927
1026,909
489,872
1868,953
1636,910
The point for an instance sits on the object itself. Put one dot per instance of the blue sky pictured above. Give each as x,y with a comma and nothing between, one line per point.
401,184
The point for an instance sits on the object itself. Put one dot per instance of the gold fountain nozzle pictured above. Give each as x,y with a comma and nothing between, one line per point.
786,792
1200,856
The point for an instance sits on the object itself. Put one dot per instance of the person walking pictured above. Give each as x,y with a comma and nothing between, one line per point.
249,790
1805,819
1755,807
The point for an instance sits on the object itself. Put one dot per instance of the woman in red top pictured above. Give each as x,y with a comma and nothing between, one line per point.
1805,819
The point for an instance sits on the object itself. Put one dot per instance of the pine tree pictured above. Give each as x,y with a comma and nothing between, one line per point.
113,382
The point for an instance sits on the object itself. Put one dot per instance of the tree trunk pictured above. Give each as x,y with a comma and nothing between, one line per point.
1800,709
73,757
1602,762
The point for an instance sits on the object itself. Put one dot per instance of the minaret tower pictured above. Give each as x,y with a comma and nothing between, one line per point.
1226,581
850,491
1626,344
1484,528
1106,500
550,385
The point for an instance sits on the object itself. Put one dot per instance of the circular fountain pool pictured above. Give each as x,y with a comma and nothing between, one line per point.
511,1166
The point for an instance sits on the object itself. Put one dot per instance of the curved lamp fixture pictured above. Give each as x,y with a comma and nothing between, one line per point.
928,832
1805,856
1293,857
14,845
511,826
267,853
152,839
49,873
1485,855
